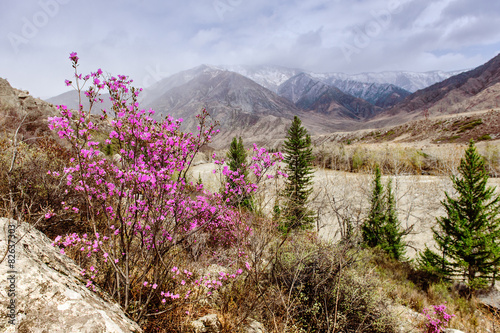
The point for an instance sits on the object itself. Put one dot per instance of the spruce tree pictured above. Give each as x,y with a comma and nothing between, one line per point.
382,228
468,237
237,156
392,233
372,227
237,161
298,185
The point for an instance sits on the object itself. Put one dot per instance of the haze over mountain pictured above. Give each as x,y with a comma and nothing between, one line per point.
241,106
313,95
272,77
477,89
410,81
260,104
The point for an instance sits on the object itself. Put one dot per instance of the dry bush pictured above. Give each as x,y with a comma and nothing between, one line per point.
28,191
418,290
319,287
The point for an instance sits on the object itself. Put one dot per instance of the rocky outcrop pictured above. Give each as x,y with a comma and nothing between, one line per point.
47,290
18,107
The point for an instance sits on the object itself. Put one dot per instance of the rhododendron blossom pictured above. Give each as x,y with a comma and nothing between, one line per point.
140,204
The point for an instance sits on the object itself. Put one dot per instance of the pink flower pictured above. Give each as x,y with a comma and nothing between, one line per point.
48,215
73,57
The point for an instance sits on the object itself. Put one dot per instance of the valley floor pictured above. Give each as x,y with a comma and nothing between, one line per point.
340,195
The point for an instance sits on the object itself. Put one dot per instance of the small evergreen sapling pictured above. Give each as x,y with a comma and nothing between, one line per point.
237,156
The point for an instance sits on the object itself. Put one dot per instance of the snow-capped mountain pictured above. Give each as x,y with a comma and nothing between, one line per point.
383,89
310,94
241,106
411,81
270,77
379,94
477,89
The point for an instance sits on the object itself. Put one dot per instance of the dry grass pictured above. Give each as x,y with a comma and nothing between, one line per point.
416,290
402,158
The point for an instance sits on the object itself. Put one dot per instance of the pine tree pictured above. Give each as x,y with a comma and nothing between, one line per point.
298,157
468,237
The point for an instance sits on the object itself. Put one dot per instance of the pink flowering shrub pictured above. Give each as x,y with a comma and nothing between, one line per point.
236,185
143,213
438,319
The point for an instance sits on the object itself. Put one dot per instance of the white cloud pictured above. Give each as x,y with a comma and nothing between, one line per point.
149,39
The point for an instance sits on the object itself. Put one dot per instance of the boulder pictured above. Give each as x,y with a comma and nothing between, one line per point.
253,326
200,158
490,299
48,291
207,324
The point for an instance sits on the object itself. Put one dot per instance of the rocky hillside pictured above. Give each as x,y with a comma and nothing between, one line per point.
410,81
310,94
477,89
237,103
455,128
19,109
383,95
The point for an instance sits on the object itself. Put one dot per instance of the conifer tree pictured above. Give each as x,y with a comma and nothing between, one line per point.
468,237
382,227
298,157
372,228
392,233
237,161
237,156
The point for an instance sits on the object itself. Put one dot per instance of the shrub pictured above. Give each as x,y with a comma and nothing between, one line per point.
147,219
484,137
437,319
324,287
30,184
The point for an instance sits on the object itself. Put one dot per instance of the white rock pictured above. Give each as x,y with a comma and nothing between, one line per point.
50,295
207,324
253,326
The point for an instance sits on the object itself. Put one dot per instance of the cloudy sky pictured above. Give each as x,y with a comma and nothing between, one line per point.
148,40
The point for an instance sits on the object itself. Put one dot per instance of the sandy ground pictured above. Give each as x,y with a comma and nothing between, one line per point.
341,195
